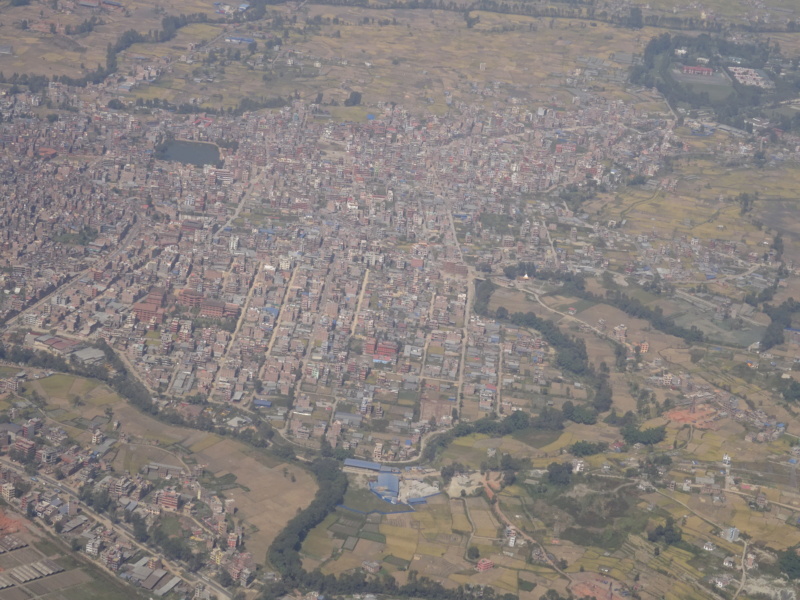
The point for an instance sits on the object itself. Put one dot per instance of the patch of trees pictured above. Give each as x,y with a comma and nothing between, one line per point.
789,563
650,436
667,533
603,396
626,420
550,419
522,268
765,295
651,465
746,201
559,474
781,318
571,352
449,471
186,108
791,392
484,288
579,414
575,285
576,196
139,528
98,499
35,83
584,448
354,99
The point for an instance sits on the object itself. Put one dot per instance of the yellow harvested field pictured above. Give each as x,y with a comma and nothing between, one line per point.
400,541
205,442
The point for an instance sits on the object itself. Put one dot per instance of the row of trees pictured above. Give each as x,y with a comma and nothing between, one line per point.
574,9
584,448
655,316
516,421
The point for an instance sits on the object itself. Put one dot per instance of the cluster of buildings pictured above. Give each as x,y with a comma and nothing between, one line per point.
325,289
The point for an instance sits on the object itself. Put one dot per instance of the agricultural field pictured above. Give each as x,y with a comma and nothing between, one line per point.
704,205
267,493
44,52
393,54
432,540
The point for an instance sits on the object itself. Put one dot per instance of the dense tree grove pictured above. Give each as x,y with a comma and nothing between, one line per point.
579,414
667,533
650,436
484,288
789,563
559,473
781,318
584,448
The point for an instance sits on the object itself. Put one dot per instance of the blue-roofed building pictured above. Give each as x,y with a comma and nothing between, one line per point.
235,39
387,488
357,463
390,481
261,403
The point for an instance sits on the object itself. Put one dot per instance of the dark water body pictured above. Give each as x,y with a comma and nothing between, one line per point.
192,153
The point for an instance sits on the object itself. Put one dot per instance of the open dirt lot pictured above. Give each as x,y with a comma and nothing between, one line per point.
271,498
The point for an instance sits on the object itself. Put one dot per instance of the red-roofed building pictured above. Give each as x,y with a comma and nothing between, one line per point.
705,71
484,564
